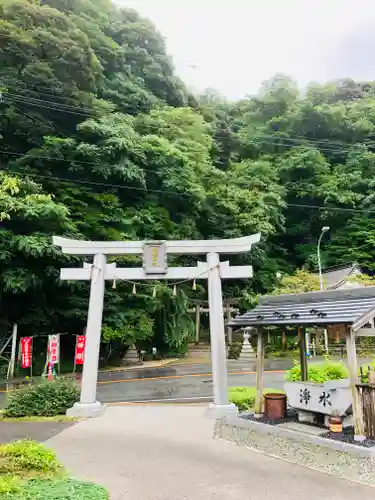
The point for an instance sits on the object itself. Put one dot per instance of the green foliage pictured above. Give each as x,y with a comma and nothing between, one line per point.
9,484
319,372
63,489
234,350
244,397
30,471
101,140
301,281
47,398
364,371
28,458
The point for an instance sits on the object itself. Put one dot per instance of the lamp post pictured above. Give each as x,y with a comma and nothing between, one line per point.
324,230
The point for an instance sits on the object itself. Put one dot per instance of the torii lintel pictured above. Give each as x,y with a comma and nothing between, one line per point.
187,247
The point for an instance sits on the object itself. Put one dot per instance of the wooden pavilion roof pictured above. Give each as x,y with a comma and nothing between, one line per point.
351,307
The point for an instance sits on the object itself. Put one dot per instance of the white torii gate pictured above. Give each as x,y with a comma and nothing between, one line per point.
155,267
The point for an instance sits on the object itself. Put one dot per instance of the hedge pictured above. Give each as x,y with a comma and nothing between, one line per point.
319,372
30,471
45,399
244,397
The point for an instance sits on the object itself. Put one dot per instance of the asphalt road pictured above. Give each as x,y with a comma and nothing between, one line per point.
190,383
172,383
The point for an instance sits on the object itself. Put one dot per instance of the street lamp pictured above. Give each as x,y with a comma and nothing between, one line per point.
324,230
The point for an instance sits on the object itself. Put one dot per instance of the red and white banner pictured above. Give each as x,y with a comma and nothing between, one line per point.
26,352
54,349
80,349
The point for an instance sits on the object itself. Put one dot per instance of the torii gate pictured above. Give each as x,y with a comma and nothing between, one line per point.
155,267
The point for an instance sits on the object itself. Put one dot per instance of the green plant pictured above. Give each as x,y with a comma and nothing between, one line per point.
244,397
30,471
9,484
63,489
234,350
364,370
28,457
319,372
47,398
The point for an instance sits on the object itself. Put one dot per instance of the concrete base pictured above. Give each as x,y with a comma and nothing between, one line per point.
352,462
82,410
219,411
306,417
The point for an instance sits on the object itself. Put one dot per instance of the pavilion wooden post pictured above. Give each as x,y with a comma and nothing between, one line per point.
259,374
197,322
302,353
283,341
359,429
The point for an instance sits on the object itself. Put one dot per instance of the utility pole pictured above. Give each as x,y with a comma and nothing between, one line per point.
324,230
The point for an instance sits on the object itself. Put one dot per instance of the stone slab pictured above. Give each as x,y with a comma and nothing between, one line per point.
308,429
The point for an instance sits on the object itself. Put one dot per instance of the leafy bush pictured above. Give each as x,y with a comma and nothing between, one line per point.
234,350
319,372
9,484
28,457
30,471
244,397
63,489
46,399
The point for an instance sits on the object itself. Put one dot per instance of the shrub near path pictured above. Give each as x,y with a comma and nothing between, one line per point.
30,471
244,397
44,399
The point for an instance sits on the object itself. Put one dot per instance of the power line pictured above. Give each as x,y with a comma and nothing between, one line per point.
325,143
44,101
175,193
340,209
269,139
31,156
96,183
41,103
20,85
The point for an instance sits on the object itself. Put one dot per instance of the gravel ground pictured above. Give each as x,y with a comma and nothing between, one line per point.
347,436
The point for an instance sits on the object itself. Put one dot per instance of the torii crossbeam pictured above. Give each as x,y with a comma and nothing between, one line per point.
155,267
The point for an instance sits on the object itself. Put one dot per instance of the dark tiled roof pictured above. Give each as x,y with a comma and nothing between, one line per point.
314,308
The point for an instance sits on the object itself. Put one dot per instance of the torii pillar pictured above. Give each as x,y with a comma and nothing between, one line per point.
155,267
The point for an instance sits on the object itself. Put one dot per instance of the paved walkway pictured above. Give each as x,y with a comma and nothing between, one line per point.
167,453
39,431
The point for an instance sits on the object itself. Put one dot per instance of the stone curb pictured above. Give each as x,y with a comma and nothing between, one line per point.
345,460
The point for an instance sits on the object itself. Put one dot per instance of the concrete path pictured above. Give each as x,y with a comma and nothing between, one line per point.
167,453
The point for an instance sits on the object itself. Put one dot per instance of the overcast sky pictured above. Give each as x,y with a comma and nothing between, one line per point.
234,45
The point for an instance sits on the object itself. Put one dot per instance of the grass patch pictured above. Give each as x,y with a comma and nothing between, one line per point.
30,471
28,458
244,397
63,489
55,418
